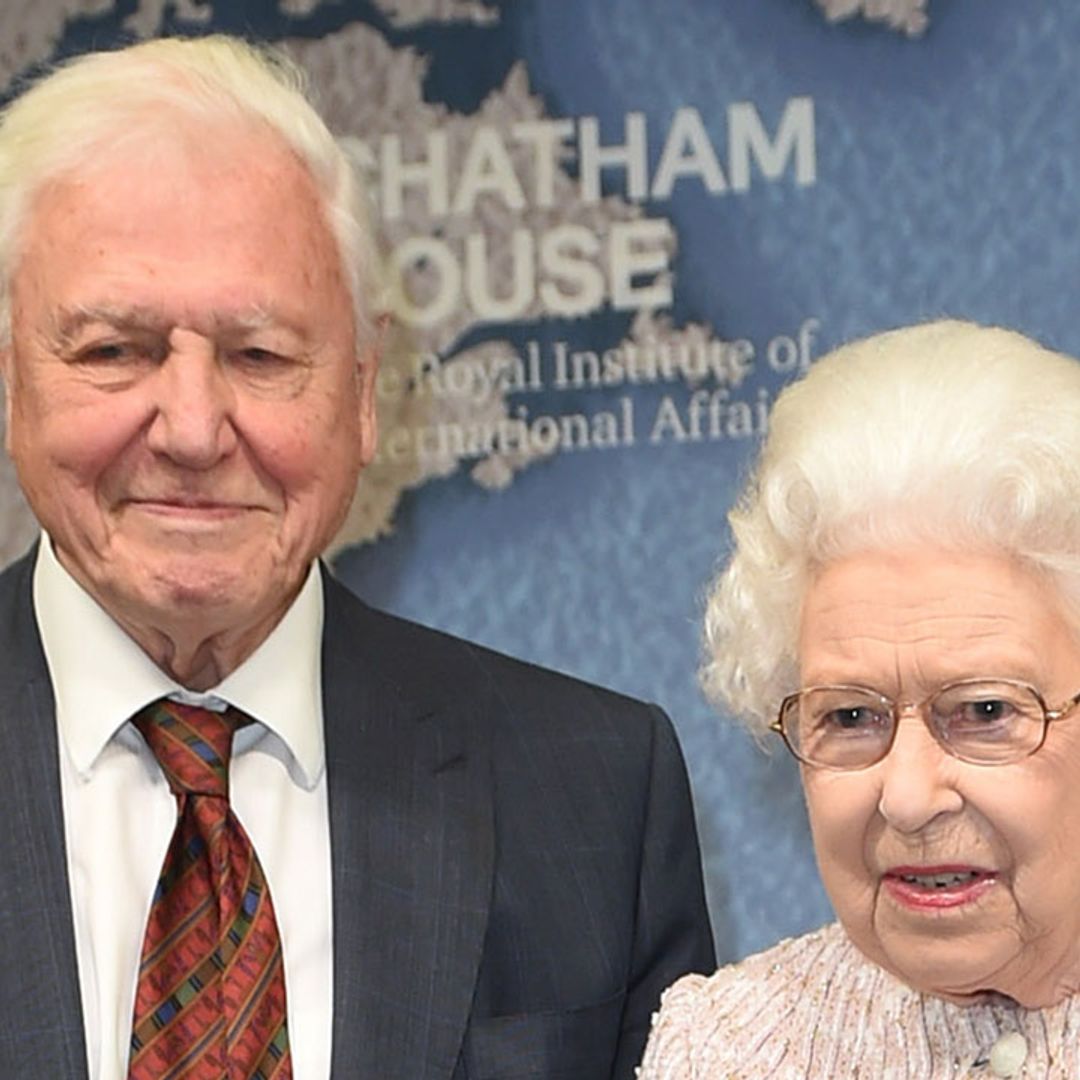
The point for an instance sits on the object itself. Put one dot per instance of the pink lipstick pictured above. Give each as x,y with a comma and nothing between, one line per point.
933,888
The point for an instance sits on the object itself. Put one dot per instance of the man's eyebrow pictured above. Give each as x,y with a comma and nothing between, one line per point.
69,321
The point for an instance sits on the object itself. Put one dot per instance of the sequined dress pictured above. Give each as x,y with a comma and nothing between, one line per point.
815,1007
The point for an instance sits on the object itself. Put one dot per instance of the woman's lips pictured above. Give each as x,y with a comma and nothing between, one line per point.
933,888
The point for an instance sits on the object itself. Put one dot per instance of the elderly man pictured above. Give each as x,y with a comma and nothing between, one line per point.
254,828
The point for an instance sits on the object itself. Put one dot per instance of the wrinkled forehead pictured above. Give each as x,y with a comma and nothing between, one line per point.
927,615
203,236
153,133
182,197
179,156
182,160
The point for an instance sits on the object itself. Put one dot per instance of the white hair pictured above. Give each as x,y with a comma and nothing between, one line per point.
95,107
948,434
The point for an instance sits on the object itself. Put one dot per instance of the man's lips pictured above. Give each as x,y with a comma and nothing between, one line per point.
194,507
939,886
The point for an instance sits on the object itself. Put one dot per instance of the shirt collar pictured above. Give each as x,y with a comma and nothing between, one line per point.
101,677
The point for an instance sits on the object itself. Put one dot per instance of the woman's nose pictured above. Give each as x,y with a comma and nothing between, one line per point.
917,777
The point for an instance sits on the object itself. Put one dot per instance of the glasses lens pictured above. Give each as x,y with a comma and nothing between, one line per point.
838,727
988,722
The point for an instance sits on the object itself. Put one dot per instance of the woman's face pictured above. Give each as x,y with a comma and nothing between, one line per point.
1002,841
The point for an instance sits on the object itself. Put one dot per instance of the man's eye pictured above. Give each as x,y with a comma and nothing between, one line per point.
256,356
120,351
106,352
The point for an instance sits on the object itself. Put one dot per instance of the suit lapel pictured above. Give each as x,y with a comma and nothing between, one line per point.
412,842
41,1026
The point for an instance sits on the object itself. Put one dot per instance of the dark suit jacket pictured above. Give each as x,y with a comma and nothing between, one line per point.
515,872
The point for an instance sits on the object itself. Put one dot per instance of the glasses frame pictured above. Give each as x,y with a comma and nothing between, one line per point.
897,707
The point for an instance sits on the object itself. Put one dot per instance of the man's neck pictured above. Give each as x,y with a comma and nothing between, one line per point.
196,645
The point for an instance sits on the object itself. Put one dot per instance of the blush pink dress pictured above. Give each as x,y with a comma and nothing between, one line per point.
815,1007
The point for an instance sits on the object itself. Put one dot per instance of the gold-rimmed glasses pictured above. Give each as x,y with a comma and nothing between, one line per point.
983,721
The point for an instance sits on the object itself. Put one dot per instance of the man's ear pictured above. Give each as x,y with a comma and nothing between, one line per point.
367,368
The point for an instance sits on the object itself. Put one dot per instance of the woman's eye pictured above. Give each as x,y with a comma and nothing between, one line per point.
852,718
984,712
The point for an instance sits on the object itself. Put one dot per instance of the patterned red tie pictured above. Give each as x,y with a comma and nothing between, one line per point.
210,1003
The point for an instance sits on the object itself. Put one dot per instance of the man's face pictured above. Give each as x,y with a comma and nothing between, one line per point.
186,408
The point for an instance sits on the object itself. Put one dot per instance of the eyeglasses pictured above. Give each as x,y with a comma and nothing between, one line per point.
981,721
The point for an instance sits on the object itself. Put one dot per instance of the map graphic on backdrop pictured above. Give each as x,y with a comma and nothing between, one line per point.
480,200
614,233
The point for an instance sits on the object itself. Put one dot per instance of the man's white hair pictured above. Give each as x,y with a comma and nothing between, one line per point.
948,434
96,107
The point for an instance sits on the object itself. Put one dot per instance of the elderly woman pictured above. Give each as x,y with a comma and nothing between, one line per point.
902,609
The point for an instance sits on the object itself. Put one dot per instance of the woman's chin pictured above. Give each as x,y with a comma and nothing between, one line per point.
968,965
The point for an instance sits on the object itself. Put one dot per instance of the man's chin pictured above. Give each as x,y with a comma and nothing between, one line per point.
225,588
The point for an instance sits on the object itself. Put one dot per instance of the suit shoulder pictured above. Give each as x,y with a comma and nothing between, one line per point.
15,579
422,655
16,598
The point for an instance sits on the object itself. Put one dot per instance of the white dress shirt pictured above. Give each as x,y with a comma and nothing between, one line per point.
119,813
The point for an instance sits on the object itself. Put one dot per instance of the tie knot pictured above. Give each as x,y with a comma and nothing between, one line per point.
192,745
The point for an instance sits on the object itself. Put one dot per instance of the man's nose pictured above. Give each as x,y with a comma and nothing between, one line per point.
194,404
917,777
